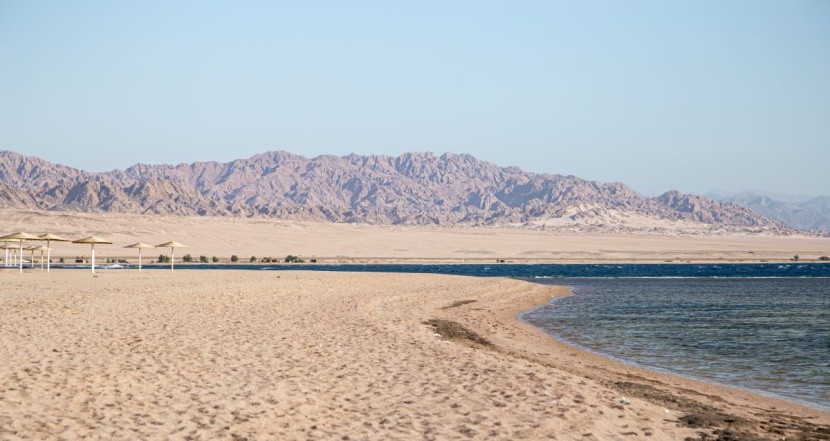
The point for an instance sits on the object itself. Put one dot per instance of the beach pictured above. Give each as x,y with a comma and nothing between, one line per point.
313,355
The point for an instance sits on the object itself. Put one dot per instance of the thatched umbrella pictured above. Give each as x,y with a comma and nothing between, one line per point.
172,246
139,245
9,253
49,238
20,236
92,240
32,257
40,248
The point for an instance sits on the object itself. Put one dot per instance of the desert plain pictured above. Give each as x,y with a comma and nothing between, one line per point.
331,242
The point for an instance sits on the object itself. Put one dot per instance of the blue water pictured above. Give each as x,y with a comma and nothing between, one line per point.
543,270
767,335
764,327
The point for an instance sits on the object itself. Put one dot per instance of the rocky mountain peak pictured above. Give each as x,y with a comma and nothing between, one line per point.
412,188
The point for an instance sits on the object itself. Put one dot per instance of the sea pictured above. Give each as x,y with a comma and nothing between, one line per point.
767,335
760,327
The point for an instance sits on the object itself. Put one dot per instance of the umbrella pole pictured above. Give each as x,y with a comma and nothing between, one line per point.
172,258
32,260
21,255
139,260
48,255
93,258
41,260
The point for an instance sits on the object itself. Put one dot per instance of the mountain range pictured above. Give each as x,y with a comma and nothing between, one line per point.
807,214
410,189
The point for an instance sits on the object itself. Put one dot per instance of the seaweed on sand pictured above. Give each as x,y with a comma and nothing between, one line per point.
450,330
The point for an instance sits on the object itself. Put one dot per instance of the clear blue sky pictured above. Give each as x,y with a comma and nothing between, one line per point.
692,95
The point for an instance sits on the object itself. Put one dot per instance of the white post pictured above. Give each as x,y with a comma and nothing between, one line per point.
139,259
6,260
21,255
93,258
48,255
172,258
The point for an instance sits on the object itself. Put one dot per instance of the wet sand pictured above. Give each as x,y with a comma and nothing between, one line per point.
312,355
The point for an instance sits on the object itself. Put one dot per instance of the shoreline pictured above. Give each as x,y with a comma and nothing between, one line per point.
714,405
665,371
320,355
133,261
315,266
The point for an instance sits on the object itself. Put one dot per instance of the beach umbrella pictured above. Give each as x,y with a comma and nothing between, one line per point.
9,253
172,246
13,253
92,240
20,237
139,245
32,258
6,247
40,248
49,238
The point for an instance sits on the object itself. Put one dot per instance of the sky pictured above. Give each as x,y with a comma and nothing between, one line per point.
688,95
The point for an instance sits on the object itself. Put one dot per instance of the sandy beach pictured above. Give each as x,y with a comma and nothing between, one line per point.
308,355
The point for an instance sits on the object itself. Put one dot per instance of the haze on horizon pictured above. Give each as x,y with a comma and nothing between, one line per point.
693,96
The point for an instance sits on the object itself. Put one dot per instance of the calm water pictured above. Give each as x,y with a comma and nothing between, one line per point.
538,270
768,335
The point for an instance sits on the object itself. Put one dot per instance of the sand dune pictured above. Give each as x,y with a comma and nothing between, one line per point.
301,355
217,236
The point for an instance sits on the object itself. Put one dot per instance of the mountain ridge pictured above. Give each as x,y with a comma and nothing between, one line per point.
416,188
807,214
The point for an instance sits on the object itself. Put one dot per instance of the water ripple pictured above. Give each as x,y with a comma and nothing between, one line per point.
767,335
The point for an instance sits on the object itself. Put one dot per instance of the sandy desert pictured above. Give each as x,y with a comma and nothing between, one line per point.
331,242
